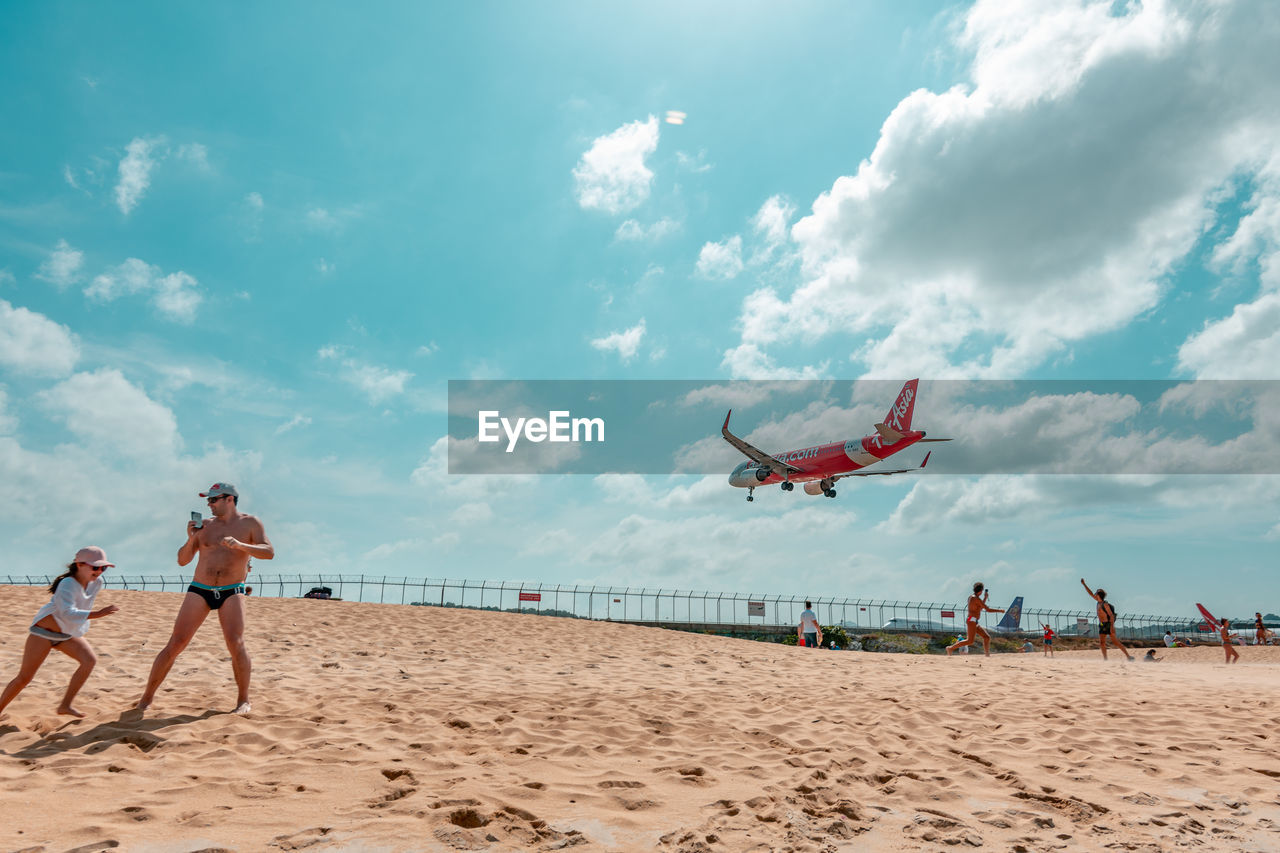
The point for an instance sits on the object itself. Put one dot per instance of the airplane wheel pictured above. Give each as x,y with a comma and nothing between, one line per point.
831,493
749,498
788,486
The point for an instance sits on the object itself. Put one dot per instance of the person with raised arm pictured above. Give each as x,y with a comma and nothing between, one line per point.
1106,621
976,607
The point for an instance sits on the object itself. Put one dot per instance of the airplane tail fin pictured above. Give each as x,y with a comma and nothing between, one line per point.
1012,616
899,418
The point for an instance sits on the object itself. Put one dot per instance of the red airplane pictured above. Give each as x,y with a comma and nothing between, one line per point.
820,467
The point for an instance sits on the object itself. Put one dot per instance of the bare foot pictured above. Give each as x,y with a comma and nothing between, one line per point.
68,711
242,709
143,704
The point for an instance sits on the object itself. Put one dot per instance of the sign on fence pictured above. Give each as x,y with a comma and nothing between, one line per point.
755,608
1082,625
530,596
948,614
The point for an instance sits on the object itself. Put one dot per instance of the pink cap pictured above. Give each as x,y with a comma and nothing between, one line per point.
93,556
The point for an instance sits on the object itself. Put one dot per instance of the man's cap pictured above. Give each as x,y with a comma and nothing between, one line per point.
217,490
94,556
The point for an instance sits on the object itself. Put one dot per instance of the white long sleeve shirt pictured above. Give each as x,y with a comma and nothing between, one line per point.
71,605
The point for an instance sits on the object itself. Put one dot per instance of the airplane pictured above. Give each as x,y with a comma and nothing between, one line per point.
1012,616
820,468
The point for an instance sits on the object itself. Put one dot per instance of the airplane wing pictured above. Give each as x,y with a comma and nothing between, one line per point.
755,454
884,471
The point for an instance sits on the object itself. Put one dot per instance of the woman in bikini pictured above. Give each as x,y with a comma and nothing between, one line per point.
976,608
62,623
1106,621
1227,645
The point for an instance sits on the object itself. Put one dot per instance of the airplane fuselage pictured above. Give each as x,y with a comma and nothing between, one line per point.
823,461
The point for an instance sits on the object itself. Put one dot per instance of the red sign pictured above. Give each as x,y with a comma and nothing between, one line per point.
948,614
530,596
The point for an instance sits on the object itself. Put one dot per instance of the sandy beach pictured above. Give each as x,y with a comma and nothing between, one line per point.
397,728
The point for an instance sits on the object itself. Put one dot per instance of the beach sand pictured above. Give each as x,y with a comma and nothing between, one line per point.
390,728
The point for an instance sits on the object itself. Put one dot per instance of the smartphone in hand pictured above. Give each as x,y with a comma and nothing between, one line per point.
197,519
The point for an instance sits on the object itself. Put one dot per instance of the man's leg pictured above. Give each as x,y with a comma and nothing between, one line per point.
191,616
986,641
1116,642
231,617
79,650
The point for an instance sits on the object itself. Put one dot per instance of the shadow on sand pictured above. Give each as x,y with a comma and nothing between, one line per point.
131,727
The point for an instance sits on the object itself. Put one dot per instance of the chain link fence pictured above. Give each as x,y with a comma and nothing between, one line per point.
665,606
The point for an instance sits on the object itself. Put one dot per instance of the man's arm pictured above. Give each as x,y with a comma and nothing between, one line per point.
260,547
1086,589
189,548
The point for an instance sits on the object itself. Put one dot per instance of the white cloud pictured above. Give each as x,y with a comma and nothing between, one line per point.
62,268
695,163
995,225
472,513
135,171
721,260
612,176
296,421
632,231
1245,345
6,277
195,154
625,343
175,296
32,343
330,220
8,423
772,219
108,413
377,383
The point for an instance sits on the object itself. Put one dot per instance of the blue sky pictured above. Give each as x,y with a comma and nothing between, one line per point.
252,243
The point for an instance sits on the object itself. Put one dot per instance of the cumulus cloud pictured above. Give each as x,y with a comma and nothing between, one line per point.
997,223
110,414
195,154
140,158
632,231
62,267
721,260
378,383
625,343
612,176
32,343
1246,343
175,296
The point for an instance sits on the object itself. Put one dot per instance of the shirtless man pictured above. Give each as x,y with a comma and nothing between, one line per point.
976,608
1106,621
1260,629
225,543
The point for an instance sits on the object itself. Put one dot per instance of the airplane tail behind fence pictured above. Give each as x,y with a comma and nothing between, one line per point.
1012,616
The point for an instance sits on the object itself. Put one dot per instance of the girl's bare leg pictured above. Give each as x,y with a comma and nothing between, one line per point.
79,649
33,654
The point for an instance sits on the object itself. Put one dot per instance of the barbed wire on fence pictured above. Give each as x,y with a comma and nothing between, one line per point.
765,611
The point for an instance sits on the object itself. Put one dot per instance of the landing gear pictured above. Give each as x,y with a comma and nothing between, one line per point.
827,488
787,485
831,493
750,489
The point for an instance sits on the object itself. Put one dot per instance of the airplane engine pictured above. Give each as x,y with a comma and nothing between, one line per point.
814,487
762,474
